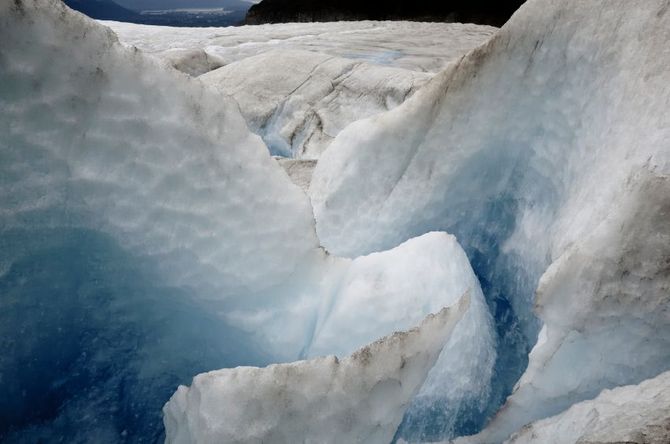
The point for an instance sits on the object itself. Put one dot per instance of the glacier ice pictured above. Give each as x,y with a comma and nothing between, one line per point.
299,170
148,236
323,77
423,47
193,62
301,103
119,251
545,151
604,303
359,398
375,296
631,414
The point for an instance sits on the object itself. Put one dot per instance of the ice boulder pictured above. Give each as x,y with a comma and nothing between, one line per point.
356,399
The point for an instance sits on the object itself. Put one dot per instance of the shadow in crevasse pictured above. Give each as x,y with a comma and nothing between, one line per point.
92,343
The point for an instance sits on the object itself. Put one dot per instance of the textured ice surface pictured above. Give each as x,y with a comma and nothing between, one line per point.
409,45
148,236
637,414
305,99
299,170
130,197
357,399
605,307
299,85
193,62
547,145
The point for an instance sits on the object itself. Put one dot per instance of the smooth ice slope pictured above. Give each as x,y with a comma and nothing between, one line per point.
547,145
358,399
375,296
637,414
305,99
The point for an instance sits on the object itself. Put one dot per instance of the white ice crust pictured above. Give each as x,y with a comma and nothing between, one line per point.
357,399
162,164
630,414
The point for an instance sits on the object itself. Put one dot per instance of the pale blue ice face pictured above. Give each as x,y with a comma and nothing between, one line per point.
93,344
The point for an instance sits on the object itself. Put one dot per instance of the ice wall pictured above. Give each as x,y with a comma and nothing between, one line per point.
135,205
522,149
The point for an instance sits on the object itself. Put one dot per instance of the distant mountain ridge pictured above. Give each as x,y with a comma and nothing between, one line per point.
103,10
164,12
147,5
486,12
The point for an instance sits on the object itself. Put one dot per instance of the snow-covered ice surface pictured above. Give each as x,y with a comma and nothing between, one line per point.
357,399
299,85
637,414
546,151
409,45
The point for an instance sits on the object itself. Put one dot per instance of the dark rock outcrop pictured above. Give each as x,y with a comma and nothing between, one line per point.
467,11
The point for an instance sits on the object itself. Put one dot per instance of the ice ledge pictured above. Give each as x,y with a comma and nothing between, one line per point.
360,398
631,414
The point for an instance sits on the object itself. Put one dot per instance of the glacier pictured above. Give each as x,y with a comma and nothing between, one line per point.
148,236
324,76
149,240
545,151
415,46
